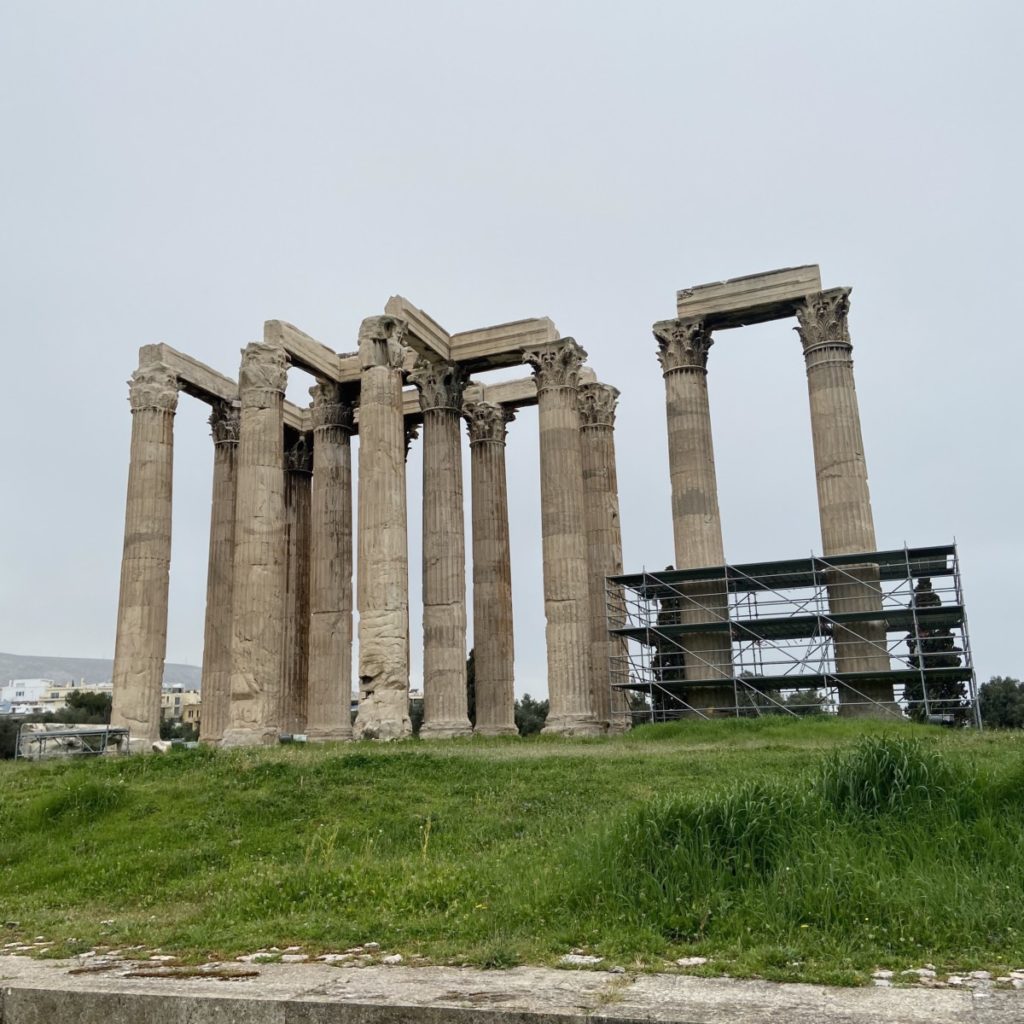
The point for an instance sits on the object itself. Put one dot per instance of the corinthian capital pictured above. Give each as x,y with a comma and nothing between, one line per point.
224,420
298,457
440,384
597,404
264,368
822,318
556,365
331,408
487,422
381,342
682,345
153,387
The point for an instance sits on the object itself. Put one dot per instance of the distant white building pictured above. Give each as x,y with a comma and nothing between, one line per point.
34,696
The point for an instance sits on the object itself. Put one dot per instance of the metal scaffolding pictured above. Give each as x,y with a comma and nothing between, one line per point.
782,619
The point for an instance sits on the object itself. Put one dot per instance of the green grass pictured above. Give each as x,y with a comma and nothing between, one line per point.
812,850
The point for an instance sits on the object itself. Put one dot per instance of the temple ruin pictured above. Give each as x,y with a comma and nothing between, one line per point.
279,619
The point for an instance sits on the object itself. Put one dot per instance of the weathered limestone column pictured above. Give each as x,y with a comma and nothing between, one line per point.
330,628
696,523
383,571
216,684
141,644
257,634
604,548
844,502
493,643
445,714
295,648
556,368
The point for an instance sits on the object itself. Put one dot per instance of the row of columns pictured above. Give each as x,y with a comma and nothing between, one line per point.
278,636
844,502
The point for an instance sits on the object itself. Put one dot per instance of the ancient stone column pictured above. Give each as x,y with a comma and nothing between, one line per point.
445,713
257,634
383,570
216,683
604,550
141,644
295,647
696,524
493,644
844,502
556,368
330,628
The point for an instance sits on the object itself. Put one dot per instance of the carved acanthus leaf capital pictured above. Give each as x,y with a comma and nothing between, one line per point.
381,342
224,422
597,404
331,407
822,318
298,457
153,387
412,431
440,384
264,368
683,344
556,365
487,421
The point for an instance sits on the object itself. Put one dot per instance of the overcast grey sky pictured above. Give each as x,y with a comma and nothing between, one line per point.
182,171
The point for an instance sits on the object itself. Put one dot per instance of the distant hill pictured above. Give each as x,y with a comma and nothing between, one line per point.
92,670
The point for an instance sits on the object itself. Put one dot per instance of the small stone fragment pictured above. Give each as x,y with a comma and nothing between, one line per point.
691,961
371,947
617,970
882,974
881,982
980,975
334,958
580,958
395,958
955,980
293,958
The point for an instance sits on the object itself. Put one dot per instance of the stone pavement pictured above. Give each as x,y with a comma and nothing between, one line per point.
47,991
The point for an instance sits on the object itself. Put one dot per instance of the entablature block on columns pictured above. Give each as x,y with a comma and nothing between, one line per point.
753,299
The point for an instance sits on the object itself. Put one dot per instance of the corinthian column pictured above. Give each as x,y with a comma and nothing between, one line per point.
696,524
383,581
257,632
493,646
295,648
556,368
445,714
844,502
330,628
141,644
604,549
216,684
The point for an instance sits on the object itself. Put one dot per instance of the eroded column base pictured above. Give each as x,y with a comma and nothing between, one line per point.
382,719
495,730
328,735
257,737
573,725
445,730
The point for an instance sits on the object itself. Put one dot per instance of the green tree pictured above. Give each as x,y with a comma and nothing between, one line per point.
95,707
1002,703
530,715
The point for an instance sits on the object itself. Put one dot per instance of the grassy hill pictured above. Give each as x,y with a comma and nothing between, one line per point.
812,850
92,670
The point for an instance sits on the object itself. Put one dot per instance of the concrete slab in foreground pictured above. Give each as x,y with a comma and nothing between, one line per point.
41,992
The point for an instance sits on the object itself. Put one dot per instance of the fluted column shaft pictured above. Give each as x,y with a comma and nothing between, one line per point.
383,570
683,347
604,549
330,629
844,501
493,639
216,682
257,640
141,643
564,539
445,712
295,648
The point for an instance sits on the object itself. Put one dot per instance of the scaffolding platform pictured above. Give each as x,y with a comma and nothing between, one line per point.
783,619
